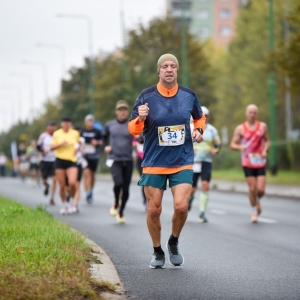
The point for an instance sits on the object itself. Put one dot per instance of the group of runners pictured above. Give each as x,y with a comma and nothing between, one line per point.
174,144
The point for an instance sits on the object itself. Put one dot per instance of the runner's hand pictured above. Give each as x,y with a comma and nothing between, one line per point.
94,142
197,136
107,149
143,111
64,143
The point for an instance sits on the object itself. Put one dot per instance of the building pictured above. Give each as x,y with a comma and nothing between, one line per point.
208,18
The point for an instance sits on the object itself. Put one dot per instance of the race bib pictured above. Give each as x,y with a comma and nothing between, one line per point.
109,162
84,163
197,167
89,149
171,135
256,159
33,160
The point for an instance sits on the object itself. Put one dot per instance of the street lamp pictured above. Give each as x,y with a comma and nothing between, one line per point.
272,88
12,108
44,69
16,89
62,54
30,88
183,25
90,48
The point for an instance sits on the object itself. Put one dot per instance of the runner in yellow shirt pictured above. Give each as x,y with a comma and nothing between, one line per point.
66,142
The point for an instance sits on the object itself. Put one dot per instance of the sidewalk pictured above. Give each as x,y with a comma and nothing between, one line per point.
288,191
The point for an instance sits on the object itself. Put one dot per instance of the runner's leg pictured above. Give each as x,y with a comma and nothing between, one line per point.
116,172
181,194
72,179
126,173
154,200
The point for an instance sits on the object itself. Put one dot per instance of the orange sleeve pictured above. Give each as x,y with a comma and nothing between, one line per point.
135,126
200,123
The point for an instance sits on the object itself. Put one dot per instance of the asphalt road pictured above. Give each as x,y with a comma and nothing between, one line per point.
227,258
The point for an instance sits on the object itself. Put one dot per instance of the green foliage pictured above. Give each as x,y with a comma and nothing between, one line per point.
243,70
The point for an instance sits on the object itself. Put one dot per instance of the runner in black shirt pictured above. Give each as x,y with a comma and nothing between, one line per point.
93,141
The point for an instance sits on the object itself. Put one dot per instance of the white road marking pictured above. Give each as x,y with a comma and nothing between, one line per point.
264,220
217,212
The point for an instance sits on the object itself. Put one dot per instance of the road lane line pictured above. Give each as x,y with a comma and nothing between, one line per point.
217,212
264,220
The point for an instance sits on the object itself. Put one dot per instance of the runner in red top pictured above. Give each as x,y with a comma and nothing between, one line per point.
252,139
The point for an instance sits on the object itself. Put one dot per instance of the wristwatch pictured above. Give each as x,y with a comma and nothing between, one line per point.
200,130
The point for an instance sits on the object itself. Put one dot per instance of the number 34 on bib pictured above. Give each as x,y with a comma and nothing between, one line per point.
171,135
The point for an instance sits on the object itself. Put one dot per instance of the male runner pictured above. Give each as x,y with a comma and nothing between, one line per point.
119,146
252,139
34,158
93,141
48,159
204,153
163,113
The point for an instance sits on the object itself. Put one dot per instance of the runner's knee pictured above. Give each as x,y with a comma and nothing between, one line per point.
181,209
260,192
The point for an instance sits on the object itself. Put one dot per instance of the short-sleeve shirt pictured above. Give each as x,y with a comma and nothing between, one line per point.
66,152
91,151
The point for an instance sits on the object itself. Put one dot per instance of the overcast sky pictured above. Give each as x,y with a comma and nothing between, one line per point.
24,23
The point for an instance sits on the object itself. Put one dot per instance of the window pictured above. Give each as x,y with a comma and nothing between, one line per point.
203,14
225,31
225,13
204,32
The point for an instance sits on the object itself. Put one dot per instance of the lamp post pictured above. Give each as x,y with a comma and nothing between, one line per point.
30,89
122,18
62,54
44,69
12,110
90,49
19,106
183,26
272,88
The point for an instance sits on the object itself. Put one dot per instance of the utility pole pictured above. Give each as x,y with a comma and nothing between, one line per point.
184,67
288,111
123,62
91,87
272,88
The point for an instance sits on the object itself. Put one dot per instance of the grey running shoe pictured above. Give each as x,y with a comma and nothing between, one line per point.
202,218
157,261
175,257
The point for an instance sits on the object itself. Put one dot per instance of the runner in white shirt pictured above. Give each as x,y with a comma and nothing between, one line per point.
48,159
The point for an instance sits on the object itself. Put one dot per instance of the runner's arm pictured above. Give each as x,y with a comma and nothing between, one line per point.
236,139
217,143
266,141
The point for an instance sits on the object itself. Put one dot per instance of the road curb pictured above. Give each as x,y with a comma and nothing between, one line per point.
105,271
290,192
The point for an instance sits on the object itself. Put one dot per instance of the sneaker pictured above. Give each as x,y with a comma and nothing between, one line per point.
113,211
258,207
46,190
254,218
190,202
73,209
89,197
175,257
202,218
52,201
120,220
157,261
64,210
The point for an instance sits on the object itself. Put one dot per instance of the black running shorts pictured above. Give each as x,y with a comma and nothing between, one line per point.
251,172
205,173
47,169
64,164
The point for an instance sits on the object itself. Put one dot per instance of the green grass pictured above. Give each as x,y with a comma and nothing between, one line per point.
42,258
282,178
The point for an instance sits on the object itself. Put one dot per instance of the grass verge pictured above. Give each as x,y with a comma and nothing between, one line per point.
282,178
42,258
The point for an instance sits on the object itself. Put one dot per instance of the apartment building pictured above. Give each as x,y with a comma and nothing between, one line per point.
208,18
